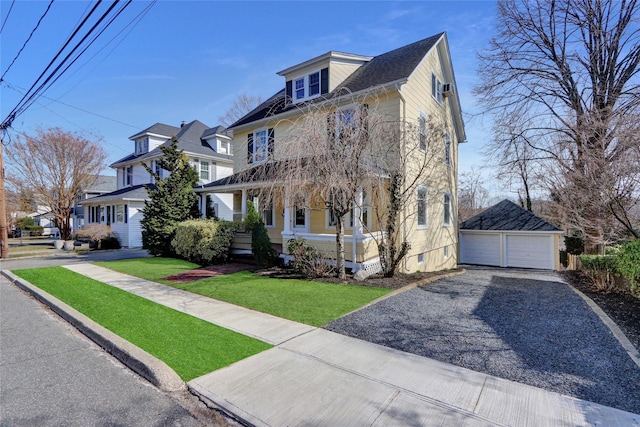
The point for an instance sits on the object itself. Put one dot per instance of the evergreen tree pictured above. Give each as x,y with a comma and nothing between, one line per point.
170,202
261,247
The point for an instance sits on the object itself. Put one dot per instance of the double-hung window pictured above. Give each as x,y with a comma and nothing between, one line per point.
307,87
447,148
422,131
299,88
260,146
204,170
421,208
436,88
268,216
128,175
447,209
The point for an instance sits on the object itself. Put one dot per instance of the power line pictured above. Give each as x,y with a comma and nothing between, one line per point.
28,38
7,17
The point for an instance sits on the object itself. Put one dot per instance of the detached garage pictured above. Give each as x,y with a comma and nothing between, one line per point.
507,235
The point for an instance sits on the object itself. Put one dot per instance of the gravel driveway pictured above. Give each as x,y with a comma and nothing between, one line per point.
526,326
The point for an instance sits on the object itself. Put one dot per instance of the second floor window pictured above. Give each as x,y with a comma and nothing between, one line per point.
422,131
127,176
204,170
447,209
447,149
260,145
436,88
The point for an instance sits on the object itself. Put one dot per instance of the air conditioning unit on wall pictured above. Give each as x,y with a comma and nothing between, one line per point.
447,89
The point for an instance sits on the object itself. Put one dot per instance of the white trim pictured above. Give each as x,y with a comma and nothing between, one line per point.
445,194
426,208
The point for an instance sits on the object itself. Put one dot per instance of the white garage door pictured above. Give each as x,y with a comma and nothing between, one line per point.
529,251
483,249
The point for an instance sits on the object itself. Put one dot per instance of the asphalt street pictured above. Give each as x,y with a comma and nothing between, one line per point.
50,375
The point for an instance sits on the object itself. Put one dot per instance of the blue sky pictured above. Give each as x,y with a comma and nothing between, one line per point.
189,60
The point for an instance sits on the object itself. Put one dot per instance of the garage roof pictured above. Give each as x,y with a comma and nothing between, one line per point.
507,215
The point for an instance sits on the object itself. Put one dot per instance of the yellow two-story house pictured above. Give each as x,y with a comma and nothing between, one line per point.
414,84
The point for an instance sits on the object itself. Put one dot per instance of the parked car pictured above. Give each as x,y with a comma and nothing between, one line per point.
51,232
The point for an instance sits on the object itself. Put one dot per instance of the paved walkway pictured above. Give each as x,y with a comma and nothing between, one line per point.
317,377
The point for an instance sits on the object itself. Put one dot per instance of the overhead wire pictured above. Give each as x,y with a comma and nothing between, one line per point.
50,81
7,17
27,100
28,38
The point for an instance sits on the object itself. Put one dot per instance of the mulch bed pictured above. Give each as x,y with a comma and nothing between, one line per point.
399,280
623,309
211,271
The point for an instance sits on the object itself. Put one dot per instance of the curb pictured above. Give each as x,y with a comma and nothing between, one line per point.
615,330
144,364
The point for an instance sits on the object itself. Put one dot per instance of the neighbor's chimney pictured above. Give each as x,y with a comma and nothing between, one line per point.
182,124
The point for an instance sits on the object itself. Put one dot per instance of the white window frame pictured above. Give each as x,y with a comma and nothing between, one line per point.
306,86
421,258
446,251
426,206
263,154
446,201
128,176
305,226
447,148
265,214
142,145
422,132
436,88
224,147
206,170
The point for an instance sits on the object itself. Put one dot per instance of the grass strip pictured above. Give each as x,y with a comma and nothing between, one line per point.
309,302
190,346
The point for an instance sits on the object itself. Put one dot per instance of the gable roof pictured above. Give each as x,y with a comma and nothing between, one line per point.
158,129
103,184
507,216
389,67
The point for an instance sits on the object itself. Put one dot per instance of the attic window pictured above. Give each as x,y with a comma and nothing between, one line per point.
142,145
309,86
436,88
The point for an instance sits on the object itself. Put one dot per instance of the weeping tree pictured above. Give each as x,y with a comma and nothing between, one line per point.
352,161
56,166
567,72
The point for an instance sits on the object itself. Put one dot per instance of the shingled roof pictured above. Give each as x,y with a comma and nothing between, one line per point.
507,216
392,66
190,139
137,192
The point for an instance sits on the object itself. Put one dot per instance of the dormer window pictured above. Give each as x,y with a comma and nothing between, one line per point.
142,145
309,86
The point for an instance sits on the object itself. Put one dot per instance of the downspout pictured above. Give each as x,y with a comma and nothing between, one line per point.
404,152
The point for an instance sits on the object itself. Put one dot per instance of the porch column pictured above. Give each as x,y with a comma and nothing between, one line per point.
243,209
287,215
357,228
203,205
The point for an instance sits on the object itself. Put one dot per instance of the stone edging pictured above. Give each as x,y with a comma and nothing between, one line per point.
144,364
615,330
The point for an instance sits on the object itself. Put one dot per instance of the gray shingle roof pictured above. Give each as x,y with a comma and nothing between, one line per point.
388,67
137,192
159,129
104,184
190,139
218,130
507,216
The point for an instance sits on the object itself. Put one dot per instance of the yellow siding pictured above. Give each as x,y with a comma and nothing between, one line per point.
338,72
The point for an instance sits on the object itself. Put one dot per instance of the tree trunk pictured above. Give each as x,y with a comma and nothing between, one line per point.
341,274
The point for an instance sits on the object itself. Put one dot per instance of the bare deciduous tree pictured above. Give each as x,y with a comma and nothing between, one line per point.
241,106
56,166
567,72
473,197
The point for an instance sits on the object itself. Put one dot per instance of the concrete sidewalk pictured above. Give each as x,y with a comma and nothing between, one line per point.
316,377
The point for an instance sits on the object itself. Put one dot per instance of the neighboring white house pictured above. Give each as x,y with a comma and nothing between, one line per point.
104,184
209,152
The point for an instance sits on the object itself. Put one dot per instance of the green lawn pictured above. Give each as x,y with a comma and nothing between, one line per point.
312,303
190,346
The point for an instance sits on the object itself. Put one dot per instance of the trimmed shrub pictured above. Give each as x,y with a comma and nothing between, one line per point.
601,269
34,230
628,264
110,242
307,260
95,232
204,241
261,247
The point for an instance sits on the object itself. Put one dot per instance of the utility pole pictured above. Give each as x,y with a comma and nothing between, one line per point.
4,235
